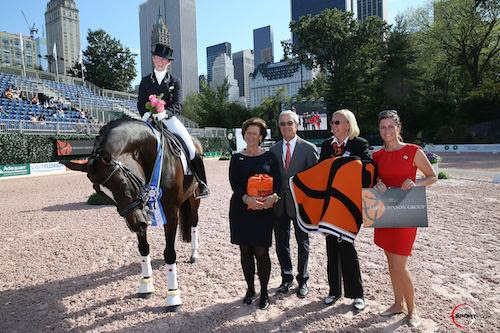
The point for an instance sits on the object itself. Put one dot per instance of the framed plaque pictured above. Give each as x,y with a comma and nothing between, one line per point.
394,208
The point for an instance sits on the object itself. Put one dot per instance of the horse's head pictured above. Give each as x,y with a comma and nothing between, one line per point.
115,166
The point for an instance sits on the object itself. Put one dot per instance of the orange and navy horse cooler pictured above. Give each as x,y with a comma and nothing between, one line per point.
327,196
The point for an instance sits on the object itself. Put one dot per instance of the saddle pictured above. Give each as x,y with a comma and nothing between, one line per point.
173,143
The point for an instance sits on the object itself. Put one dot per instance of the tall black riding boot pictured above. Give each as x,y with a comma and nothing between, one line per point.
199,172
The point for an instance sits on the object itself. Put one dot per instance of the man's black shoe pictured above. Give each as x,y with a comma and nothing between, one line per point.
284,286
303,290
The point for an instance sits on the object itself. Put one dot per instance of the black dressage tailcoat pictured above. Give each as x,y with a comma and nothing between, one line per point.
170,87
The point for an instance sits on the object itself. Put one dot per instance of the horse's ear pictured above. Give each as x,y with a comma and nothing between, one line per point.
75,166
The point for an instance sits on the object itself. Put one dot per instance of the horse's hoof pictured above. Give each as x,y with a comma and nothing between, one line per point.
173,308
193,260
144,295
146,286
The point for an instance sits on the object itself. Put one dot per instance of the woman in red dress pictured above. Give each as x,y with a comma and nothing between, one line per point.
397,165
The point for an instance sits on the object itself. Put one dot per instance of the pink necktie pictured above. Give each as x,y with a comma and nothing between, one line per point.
287,156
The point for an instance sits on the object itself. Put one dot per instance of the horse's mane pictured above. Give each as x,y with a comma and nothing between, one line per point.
104,131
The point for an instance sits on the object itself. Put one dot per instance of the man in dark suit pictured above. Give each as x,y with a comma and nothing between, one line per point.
342,257
295,155
162,82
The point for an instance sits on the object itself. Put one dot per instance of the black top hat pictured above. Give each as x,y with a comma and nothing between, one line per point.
164,51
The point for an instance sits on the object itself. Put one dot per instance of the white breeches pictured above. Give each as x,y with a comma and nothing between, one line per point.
175,126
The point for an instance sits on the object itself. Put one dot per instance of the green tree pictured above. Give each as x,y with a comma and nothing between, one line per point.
76,70
468,33
108,63
270,108
346,50
211,107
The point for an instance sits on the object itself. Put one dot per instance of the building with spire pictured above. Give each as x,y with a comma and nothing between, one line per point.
180,18
160,34
62,24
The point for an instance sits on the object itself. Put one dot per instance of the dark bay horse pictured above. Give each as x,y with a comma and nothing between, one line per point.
122,161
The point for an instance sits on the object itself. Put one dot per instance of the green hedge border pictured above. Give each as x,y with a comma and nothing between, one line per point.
19,148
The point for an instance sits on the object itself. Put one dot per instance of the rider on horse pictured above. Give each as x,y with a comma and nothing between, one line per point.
162,82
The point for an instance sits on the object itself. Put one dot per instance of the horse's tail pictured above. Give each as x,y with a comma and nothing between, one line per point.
188,217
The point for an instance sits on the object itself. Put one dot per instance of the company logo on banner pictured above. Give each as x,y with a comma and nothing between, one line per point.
14,170
74,147
394,208
47,167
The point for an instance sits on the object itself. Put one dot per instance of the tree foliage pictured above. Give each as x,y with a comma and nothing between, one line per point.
438,65
108,64
468,33
211,107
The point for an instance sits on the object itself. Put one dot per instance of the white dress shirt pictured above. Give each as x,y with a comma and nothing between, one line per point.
293,142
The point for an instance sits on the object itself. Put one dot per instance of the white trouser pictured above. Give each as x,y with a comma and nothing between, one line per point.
175,126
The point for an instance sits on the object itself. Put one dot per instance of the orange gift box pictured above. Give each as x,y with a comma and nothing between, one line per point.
260,185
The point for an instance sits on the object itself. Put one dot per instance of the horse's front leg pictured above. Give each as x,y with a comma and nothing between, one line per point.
173,295
146,286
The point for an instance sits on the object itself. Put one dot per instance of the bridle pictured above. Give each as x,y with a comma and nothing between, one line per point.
138,183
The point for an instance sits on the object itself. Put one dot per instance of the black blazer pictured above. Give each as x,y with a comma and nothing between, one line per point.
357,147
170,87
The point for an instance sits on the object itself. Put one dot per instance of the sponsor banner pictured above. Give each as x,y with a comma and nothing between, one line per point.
47,167
394,208
14,170
74,147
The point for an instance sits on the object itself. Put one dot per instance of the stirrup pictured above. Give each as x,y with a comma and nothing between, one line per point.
204,194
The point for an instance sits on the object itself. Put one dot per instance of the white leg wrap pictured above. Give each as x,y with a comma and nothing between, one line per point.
171,277
173,294
146,285
194,240
147,270
175,126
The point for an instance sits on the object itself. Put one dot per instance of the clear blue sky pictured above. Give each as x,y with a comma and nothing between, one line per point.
217,21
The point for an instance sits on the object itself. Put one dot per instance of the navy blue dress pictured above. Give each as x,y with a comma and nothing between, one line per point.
251,227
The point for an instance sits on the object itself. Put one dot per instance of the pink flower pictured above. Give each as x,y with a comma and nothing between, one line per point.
156,104
153,99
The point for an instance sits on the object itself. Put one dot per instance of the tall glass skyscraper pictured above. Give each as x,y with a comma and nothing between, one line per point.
368,8
263,45
243,62
313,7
180,18
213,52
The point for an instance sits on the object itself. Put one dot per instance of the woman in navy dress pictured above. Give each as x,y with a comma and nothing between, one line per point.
251,218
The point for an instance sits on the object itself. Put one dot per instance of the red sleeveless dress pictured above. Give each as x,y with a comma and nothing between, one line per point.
393,168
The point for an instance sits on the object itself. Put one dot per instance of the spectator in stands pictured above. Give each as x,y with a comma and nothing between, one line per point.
35,100
161,82
9,93
33,119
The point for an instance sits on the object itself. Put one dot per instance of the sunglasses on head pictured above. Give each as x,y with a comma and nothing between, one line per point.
388,113
286,123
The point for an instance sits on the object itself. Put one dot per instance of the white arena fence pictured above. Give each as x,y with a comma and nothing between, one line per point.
48,127
75,128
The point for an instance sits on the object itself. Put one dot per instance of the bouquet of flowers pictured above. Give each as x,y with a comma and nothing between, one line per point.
433,157
156,104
